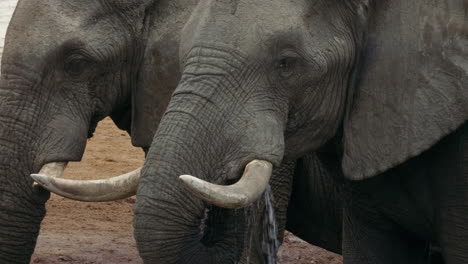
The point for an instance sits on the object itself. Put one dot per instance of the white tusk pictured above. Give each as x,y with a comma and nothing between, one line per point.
246,191
111,189
53,169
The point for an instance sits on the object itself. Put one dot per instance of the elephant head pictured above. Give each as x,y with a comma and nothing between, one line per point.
240,104
65,66
267,81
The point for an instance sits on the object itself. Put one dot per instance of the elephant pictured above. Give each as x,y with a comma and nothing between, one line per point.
66,65
266,81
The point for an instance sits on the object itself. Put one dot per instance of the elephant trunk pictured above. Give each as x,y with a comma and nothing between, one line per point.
22,210
30,137
206,134
172,225
22,213
21,206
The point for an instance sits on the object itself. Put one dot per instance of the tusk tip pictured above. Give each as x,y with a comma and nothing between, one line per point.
195,185
185,178
189,181
40,179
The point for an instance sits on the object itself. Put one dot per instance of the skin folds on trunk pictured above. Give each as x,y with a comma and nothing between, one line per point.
25,146
21,207
192,231
191,140
172,226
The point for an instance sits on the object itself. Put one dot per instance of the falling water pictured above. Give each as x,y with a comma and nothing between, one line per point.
270,243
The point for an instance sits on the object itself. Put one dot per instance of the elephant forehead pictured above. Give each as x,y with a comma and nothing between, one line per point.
62,15
45,23
243,23
41,27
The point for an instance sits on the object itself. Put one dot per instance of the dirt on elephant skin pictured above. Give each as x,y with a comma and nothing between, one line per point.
91,233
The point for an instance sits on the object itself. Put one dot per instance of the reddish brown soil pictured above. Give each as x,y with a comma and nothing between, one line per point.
92,233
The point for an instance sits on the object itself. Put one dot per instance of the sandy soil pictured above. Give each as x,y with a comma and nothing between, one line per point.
91,233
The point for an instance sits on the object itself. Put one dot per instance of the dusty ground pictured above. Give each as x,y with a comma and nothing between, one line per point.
91,233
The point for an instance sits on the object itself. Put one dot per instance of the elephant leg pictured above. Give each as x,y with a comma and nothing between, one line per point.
370,237
450,174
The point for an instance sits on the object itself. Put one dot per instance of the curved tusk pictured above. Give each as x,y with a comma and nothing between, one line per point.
53,169
104,190
243,193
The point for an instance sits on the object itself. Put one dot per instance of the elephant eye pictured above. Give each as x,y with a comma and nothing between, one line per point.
284,63
285,67
76,66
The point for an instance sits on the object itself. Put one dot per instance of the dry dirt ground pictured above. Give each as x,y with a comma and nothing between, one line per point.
92,233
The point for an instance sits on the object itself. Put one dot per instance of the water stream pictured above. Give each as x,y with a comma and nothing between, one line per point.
270,243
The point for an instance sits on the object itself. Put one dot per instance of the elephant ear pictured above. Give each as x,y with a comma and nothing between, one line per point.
412,85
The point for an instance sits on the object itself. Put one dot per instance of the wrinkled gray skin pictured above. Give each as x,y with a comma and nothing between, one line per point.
273,80
66,65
